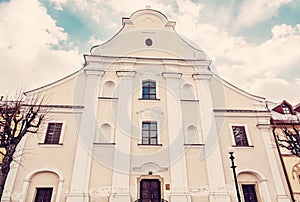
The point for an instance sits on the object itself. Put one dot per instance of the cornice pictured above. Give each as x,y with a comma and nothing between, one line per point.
126,74
96,60
171,75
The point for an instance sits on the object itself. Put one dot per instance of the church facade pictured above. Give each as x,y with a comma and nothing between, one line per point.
146,119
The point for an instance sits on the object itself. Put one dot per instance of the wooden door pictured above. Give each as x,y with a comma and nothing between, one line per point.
150,190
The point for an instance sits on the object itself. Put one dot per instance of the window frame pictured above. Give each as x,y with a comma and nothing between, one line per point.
149,135
247,135
256,189
140,143
45,129
149,94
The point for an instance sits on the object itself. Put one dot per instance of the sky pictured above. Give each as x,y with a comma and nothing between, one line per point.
254,44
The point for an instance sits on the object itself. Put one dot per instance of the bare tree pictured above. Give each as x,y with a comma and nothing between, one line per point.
17,118
288,137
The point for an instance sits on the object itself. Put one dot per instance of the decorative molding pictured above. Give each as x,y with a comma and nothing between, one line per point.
191,100
93,72
241,110
105,61
195,145
199,191
205,75
263,126
100,192
150,166
108,98
172,75
120,190
126,74
156,113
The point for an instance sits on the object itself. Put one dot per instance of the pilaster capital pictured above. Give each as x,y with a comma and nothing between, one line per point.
172,75
202,76
126,74
93,72
264,126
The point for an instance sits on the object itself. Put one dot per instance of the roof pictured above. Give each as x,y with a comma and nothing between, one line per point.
280,116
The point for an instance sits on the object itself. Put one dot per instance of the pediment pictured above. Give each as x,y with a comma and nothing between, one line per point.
148,33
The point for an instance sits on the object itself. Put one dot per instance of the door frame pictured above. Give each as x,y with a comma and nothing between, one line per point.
150,177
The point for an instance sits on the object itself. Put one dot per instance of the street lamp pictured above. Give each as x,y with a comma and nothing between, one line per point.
231,157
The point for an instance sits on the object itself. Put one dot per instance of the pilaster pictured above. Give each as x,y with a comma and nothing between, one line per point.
82,164
281,193
211,152
121,166
179,184
6,197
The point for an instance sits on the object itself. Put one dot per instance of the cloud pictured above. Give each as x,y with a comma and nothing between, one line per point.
252,67
27,37
278,89
187,7
256,68
255,11
134,5
58,3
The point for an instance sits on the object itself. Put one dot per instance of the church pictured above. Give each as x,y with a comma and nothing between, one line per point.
146,119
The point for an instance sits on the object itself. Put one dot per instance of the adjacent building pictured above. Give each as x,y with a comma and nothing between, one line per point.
285,117
146,119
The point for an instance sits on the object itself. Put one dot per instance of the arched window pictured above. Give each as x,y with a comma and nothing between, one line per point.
149,90
249,186
191,135
109,89
188,92
105,133
43,187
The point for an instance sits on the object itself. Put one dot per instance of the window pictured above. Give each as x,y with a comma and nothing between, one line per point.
109,90
191,135
43,194
149,133
149,90
104,134
53,133
249,193
240,136
188,92
286,109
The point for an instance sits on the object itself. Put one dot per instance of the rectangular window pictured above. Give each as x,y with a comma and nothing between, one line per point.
53,133
43,194
149,133
149,90
240,136
249,192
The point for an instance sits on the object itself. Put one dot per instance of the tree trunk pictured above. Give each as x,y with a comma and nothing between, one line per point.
6,162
